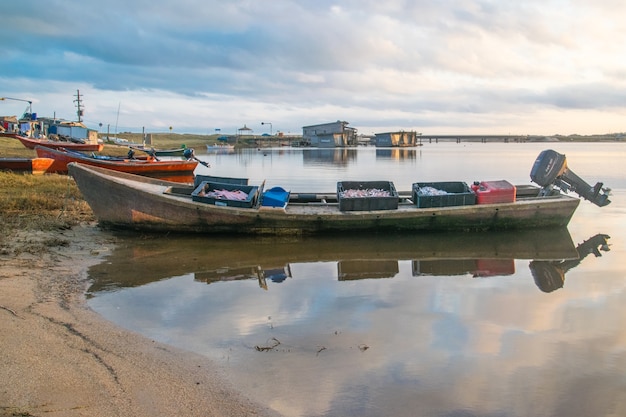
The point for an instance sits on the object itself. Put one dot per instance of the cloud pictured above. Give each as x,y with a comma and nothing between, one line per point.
393,64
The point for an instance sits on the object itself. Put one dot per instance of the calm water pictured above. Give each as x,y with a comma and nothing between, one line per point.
497,324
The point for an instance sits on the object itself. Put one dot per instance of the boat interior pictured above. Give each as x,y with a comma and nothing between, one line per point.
528,191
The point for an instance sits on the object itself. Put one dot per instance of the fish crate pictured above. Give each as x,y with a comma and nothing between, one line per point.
367,203
453,193
201,192
494,192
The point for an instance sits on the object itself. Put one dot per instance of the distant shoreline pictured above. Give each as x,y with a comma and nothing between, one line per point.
191,140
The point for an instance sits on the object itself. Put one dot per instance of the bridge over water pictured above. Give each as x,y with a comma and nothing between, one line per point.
477,138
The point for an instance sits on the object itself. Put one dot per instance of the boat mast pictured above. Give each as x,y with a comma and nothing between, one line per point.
79,109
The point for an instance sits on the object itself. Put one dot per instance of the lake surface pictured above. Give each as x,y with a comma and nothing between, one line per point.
488,324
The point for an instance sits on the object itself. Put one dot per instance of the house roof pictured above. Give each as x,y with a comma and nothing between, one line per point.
10,119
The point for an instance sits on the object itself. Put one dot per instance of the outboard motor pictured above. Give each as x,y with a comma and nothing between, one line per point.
550,170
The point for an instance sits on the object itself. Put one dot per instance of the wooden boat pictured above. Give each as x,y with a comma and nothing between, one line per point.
178,171
31,143
35,166
159,152
131,202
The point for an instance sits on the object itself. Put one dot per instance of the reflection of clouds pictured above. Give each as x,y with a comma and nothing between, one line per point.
486,346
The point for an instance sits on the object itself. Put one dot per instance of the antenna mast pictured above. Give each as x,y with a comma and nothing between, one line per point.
79,108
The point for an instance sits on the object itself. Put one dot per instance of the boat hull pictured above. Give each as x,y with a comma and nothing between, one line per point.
131,202
31,143
176,171
35,166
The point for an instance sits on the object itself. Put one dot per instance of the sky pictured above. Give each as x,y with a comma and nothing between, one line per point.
534,67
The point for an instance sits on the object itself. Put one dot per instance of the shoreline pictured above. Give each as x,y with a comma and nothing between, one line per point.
59,358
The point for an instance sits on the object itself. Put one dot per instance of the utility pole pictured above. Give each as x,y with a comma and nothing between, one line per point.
79,109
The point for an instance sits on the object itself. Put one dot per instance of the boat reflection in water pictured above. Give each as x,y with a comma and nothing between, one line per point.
549,275
138,261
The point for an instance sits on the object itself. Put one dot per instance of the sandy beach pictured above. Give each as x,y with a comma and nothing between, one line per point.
59,358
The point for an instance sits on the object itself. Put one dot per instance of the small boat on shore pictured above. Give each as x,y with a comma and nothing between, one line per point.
178,171
35,166
32,143
126,201
160,152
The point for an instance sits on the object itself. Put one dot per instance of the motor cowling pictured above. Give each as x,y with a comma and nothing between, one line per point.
547,167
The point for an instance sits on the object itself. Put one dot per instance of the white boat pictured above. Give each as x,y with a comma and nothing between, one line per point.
220,148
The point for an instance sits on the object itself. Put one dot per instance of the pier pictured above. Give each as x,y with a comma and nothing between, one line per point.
479,138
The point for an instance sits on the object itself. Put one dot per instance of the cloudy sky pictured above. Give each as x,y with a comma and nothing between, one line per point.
437,67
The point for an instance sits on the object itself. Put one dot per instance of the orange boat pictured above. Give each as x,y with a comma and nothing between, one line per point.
36,166
173,170
31,143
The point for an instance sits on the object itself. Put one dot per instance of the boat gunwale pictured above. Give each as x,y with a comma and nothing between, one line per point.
32,143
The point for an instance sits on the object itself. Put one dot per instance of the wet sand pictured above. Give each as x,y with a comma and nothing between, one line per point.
59,358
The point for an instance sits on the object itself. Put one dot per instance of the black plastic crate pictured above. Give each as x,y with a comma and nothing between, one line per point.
224,180
457,194
199,194
367,203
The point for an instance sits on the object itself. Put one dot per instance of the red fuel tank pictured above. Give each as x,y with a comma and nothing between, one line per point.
490,192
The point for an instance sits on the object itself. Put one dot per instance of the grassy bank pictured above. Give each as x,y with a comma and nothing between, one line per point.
31,203
168,140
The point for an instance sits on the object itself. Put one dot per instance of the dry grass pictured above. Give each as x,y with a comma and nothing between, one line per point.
39,203
171,140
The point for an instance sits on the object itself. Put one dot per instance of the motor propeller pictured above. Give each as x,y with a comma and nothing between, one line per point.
190,154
